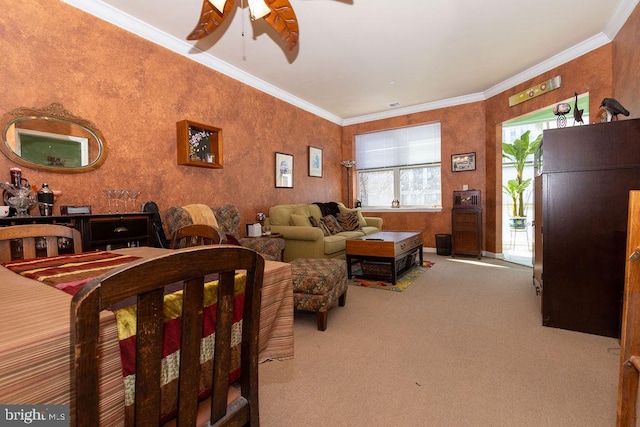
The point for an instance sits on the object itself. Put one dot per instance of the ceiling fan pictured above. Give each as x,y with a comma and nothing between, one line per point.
278,14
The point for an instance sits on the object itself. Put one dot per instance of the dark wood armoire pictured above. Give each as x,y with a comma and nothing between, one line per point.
585,175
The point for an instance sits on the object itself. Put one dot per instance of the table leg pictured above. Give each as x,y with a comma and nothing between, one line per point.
394,273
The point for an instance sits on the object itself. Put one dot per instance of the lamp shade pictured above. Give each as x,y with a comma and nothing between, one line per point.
219,4
258,9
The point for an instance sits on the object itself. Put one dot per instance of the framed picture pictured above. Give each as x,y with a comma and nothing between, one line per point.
284,170
463,162
199,145
315,162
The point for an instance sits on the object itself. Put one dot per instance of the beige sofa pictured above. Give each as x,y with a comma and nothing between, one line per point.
303,240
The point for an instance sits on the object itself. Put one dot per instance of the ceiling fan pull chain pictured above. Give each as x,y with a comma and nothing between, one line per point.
244,44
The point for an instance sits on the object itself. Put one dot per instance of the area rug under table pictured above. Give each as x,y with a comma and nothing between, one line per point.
401,284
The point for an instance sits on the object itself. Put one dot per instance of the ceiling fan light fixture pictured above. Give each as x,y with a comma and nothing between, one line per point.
258,9
219,4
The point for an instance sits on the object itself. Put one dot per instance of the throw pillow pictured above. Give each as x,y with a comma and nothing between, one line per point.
300,220
349,221
324,228
331,223
361,220
313,221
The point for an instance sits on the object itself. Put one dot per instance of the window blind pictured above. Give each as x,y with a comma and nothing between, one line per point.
398,147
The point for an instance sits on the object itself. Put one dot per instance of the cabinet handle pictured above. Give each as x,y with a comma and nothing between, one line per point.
121,230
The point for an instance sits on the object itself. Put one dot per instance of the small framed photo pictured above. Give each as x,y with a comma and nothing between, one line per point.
463,162
284,170
199,145
315,162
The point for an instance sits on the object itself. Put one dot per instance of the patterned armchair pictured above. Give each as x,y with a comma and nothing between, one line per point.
227,219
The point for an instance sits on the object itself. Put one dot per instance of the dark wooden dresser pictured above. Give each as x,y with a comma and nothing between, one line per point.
466,224
99,231
586,175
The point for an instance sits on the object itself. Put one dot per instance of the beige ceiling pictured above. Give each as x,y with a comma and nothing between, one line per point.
355,58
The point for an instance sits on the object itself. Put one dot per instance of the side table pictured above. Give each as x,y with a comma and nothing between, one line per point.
271,236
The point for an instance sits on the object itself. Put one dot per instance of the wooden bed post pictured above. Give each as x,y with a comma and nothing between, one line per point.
630,334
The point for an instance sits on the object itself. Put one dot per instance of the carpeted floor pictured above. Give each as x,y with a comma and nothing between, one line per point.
401,284
464,345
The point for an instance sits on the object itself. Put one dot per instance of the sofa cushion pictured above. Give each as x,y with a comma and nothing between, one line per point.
370,230
334,244
281,215
358,211
331,223
314,211
302,210
300,220
348,221
351,234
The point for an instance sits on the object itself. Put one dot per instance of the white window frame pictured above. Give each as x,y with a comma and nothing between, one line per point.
389,138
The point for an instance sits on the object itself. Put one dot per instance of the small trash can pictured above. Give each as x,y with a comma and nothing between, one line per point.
443,244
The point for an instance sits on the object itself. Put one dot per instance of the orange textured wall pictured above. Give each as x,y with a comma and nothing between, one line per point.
462,131
477,127
626,65
588,73
135,92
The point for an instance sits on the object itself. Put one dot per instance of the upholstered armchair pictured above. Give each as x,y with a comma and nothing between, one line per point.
226,219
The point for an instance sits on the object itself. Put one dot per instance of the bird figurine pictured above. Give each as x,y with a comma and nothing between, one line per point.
614,108
577,114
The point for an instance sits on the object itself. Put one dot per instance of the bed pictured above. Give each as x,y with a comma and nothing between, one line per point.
34,338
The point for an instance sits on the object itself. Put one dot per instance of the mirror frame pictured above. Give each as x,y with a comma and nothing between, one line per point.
57,112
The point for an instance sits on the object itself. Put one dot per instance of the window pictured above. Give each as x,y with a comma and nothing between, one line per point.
400,164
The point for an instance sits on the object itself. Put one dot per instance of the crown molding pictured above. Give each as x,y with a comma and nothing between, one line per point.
133,25
412,109
620,16
549,64
555,61
120,19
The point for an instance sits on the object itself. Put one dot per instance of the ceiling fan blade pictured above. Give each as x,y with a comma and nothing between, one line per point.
283,19
210,19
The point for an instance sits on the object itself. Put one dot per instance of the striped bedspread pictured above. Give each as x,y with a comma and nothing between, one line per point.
69,272
35,350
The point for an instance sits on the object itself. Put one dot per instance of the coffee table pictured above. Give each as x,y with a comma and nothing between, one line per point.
385,255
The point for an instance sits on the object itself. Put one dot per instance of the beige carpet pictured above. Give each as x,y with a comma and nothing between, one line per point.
462,346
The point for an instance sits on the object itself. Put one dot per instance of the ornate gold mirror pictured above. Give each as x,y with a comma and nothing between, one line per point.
52,139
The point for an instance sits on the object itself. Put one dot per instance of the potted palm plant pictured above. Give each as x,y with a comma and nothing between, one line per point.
517,152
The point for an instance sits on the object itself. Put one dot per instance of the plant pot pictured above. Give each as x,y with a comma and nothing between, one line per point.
518,223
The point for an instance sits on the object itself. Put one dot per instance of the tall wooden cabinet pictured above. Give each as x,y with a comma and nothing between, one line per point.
586,175
466,224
